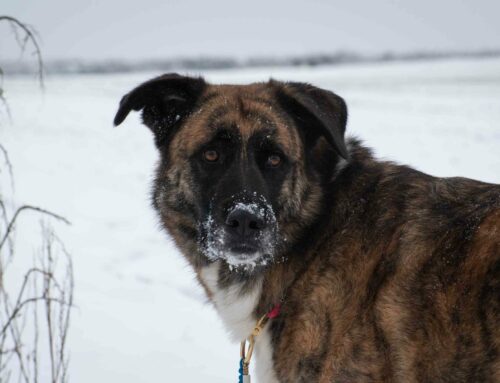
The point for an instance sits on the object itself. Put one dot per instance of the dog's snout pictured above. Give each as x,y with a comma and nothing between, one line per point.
244,223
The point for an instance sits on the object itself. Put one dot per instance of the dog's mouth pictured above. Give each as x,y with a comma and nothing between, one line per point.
244,249
247,260
241,255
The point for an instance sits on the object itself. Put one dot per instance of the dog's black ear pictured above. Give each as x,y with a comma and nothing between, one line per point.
317,111
165,101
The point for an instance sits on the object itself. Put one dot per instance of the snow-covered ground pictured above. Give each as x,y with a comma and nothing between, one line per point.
140,316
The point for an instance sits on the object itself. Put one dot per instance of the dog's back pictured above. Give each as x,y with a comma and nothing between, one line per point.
405,285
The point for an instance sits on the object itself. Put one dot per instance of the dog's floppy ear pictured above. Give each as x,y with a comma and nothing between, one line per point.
165,101
317,111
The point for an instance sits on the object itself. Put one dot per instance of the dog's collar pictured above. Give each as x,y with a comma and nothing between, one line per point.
247,345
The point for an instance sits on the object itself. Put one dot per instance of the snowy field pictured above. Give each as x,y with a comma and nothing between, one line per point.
140,315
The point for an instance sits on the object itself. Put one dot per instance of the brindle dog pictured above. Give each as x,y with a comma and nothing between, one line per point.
385,274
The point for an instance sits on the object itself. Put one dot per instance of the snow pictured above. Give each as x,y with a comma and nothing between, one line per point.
251,208
140,314
213,244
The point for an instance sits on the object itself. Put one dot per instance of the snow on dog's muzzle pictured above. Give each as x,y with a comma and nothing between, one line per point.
245,236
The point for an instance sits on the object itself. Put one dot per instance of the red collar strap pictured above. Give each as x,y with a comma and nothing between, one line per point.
275,311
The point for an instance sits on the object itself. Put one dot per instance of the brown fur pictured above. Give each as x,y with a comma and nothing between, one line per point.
398,293
250,108
394,275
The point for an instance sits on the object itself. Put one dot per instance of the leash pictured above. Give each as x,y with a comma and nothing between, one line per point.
247,345
246,351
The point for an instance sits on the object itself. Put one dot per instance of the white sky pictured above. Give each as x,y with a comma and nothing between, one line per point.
142,29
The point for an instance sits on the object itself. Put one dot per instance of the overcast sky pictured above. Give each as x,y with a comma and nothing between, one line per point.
141,29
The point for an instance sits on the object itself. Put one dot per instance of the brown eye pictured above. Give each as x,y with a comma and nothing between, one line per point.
210,155
274,160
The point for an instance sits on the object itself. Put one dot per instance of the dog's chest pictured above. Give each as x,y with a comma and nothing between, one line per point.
235,307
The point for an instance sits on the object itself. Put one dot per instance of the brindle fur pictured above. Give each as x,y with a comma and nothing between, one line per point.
389,274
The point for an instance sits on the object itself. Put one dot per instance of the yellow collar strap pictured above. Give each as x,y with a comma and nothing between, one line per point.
247,345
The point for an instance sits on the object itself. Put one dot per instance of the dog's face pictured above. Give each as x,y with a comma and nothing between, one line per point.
242,167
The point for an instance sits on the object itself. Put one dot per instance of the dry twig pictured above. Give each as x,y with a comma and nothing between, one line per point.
21,355
28,35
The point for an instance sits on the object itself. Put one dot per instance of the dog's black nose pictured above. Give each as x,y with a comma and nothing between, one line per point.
244,223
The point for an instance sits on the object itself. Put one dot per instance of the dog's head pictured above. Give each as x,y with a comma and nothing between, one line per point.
242,167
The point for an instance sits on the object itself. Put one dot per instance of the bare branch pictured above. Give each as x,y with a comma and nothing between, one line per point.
29,207
30,35
7,160
19,358
3,101
9,240
36,333
64,321
48,310
27,301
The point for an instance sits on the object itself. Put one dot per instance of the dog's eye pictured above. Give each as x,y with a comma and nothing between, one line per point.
274,160
210,155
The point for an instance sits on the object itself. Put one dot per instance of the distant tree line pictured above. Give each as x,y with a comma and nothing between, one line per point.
214,63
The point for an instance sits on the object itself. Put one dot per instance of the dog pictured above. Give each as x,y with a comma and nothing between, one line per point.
375,272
